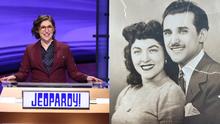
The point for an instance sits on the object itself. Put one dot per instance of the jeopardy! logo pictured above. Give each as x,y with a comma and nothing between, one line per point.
56,99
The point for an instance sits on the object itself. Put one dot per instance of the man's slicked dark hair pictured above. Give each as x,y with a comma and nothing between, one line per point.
200,17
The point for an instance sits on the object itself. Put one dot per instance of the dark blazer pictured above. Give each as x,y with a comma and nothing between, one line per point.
203,92
63,61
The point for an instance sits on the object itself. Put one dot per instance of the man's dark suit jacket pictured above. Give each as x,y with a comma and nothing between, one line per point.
204,91
63,61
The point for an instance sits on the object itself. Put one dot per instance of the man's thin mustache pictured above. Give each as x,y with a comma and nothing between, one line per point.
175,45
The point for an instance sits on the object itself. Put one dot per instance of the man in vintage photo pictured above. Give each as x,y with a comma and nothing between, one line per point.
185,28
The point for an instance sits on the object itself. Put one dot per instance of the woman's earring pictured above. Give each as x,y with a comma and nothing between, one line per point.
165,61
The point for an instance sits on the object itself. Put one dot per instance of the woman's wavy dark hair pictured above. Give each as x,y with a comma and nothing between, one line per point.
151,30
38,21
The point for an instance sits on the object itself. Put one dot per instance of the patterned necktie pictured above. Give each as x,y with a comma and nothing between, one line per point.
181,81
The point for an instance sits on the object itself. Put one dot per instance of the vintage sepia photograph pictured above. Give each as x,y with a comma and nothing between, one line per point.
164,62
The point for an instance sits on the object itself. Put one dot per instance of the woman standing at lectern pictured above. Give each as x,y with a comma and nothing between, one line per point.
47,60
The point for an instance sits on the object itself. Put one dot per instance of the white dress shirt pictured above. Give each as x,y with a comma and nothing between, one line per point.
190,67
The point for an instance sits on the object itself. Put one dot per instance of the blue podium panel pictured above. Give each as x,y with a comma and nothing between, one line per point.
55,99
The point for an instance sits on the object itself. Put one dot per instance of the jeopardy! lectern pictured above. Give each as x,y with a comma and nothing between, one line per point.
59,103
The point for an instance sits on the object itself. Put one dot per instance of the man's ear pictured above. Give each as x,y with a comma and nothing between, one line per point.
203,35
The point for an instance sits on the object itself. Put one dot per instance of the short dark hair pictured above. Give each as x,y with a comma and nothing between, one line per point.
141,30
38,21
181,6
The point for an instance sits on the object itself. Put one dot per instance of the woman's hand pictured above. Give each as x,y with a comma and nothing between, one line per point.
8,79
94,80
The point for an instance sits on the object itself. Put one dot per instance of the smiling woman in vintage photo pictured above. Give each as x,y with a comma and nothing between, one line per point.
151,95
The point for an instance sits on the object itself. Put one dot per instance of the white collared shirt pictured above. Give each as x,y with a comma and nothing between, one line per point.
190,67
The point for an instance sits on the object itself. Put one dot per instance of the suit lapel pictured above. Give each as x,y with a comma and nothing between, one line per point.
55,60
198,78
37,54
